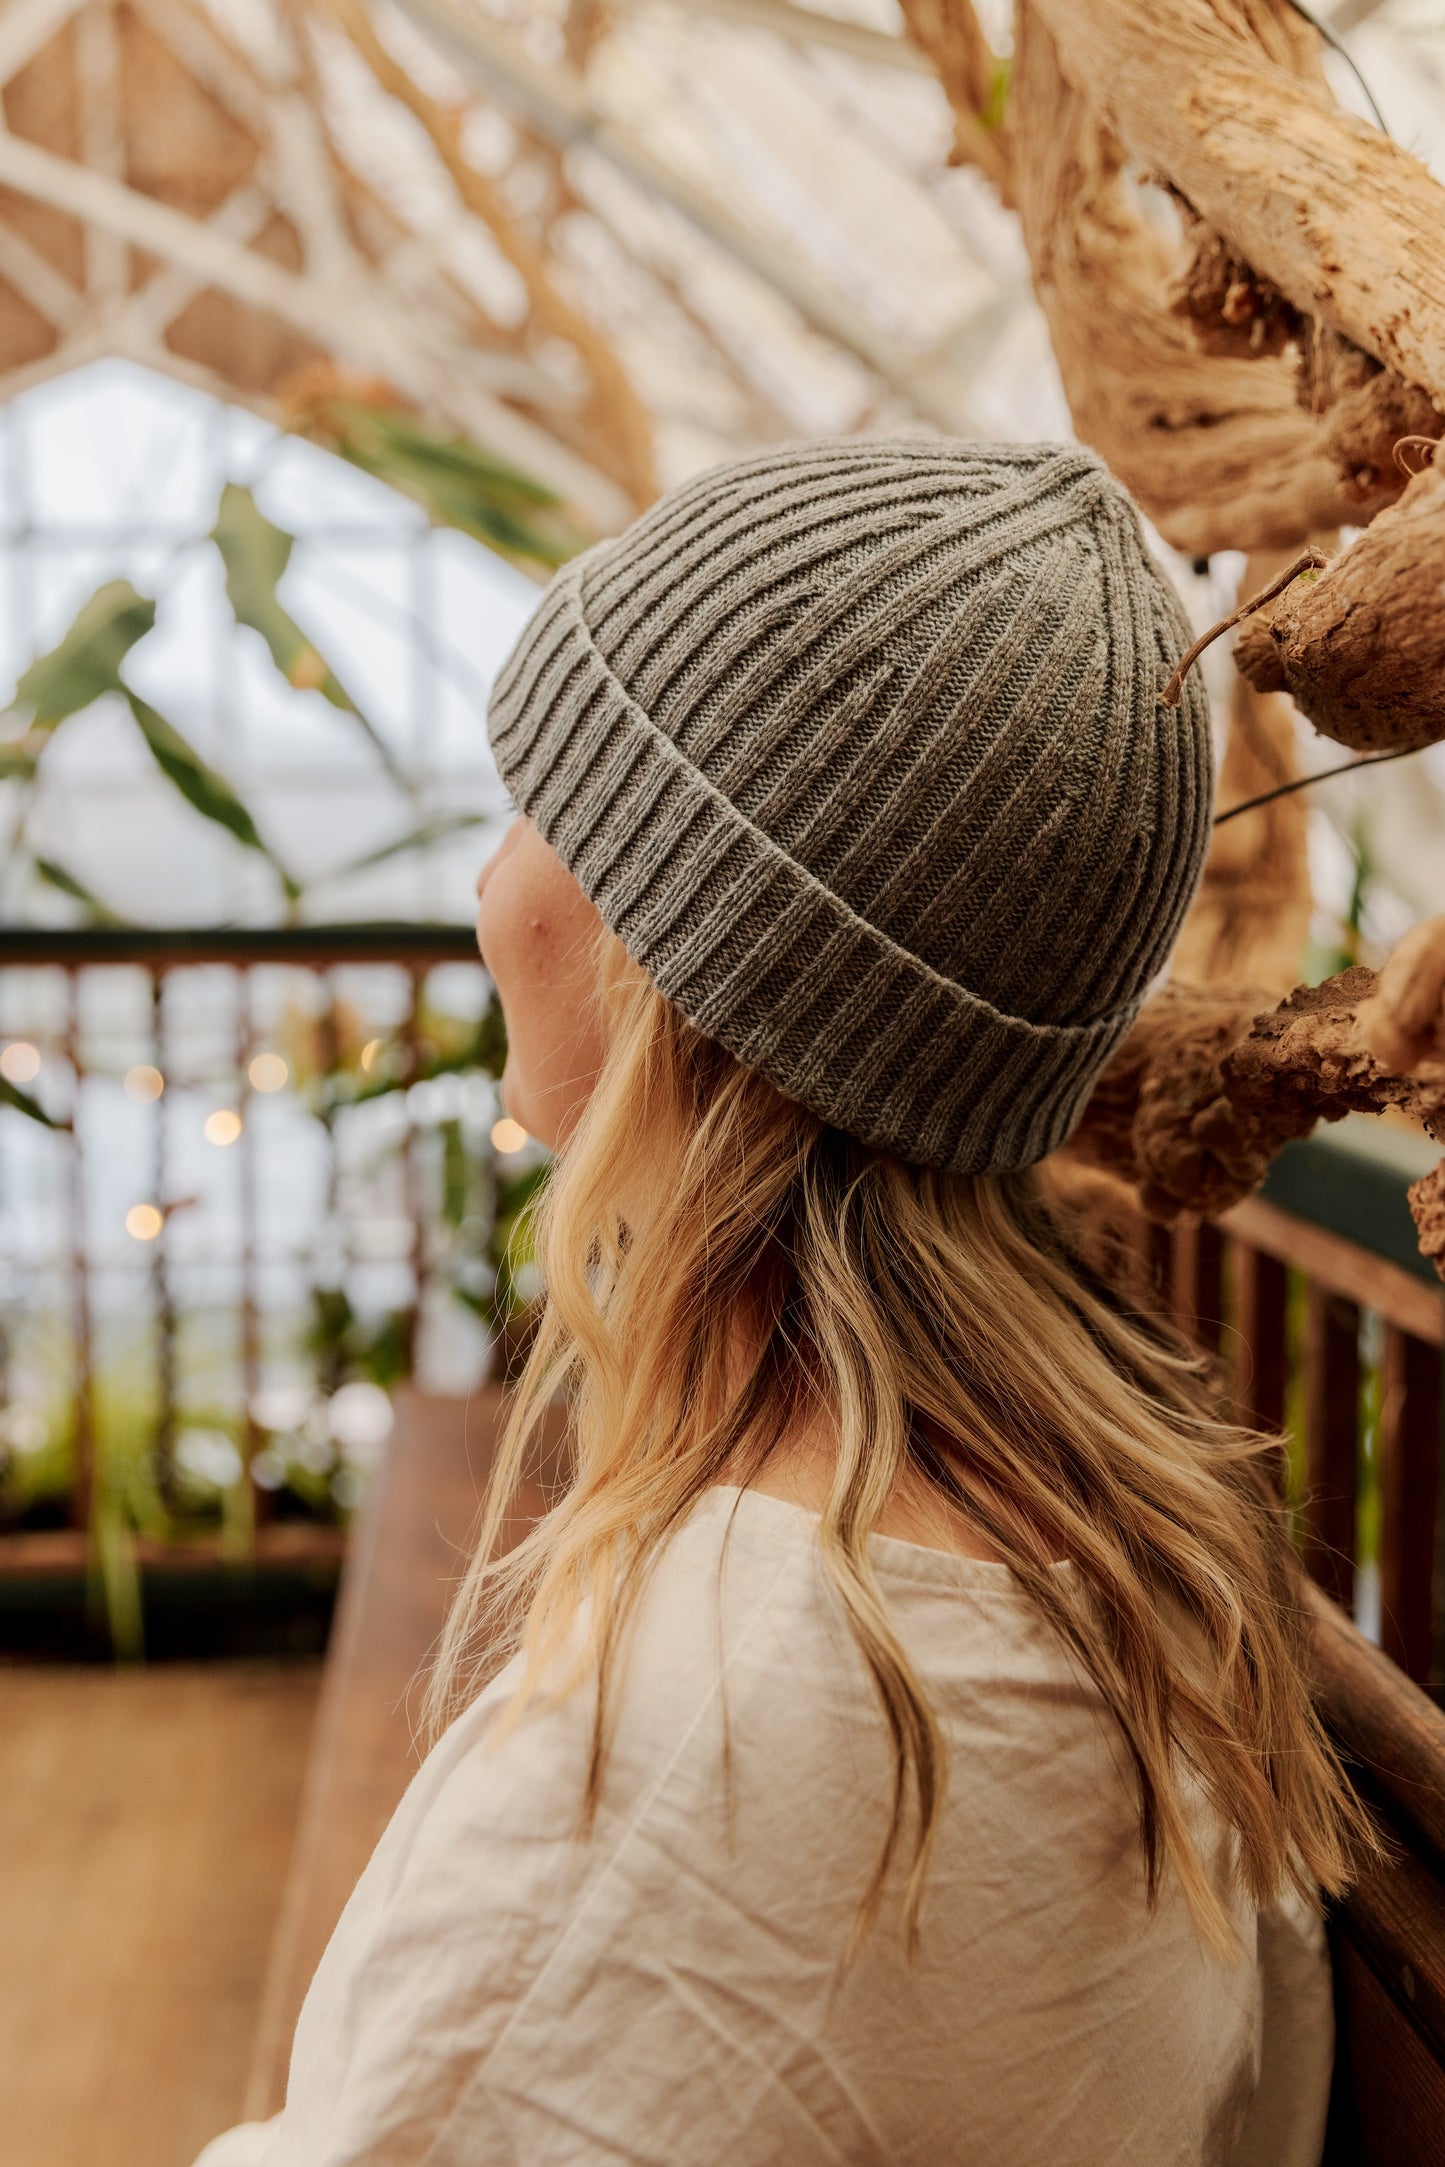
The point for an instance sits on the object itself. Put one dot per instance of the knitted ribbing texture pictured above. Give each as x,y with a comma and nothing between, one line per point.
857,747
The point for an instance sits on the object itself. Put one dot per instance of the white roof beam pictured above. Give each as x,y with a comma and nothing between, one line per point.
555,101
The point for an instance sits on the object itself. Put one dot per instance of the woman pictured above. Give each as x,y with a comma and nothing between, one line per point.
905,1754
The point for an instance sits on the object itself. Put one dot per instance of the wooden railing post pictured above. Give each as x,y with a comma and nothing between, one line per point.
1332,1428
1198,1288
1259,1285
1409,1458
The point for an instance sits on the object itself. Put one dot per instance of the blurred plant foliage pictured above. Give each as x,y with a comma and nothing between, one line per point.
455,482
166,1471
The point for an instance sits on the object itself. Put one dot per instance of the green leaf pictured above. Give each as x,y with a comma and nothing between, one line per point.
456,1174
18,761
12,1095
385,1354
485,1049
331,1323
255,554
995,106
200,785
86,662
391,433
516,1191
513,1245
57,876
431,831
456,482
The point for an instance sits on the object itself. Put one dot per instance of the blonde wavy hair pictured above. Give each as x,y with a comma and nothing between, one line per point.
724,1271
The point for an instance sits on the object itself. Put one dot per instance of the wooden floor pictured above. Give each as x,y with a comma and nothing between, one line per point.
146,1824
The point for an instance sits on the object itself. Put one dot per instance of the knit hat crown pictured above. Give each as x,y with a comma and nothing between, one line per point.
857,747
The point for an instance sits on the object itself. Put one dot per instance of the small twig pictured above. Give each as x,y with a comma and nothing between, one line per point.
1409,443
1303,782
1309,560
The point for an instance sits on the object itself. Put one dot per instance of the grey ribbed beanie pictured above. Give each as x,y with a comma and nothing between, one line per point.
857,747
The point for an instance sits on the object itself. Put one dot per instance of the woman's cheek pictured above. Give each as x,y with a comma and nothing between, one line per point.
538,938
523,958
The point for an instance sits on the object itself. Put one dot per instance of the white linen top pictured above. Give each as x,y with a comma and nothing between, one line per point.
673,1990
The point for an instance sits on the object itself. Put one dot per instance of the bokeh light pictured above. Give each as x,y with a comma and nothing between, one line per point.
316,1454
209,1456
222,1127
359,1417
143,1222
282,1406
268,1072
144,1084
508,1135
24,1429
20,1062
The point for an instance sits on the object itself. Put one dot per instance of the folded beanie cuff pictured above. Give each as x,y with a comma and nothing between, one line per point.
756,951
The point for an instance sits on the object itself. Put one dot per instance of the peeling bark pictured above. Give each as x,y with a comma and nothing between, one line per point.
1361,646
1403,1027
1190,402
1227,305
1364,425
1217,450
1211,1083
1365,408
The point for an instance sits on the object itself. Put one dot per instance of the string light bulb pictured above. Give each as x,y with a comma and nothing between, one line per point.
20,1062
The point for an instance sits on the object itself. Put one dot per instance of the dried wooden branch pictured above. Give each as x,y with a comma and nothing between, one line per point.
1365,408
1217,450
1361,649
1404,1024
611,420
970,71
1261,407
224,237
1197,407
556,102
1364,422
1345,223
1211,1082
